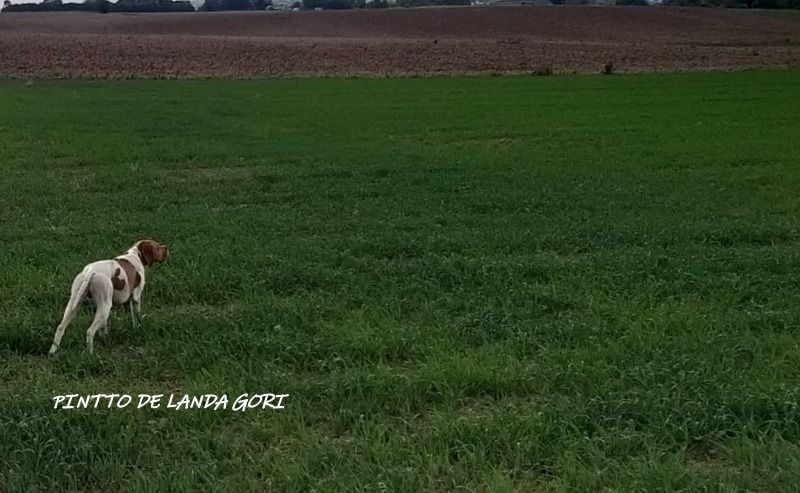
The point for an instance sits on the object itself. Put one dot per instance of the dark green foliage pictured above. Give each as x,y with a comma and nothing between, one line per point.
758,4
329,4
421,3
152,6
104,6
222,5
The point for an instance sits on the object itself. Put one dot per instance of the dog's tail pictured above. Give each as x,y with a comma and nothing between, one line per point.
74,301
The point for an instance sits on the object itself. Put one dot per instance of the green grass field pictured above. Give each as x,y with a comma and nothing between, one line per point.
567,284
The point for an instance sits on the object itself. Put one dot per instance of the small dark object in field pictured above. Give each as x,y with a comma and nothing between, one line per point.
546,70
608,68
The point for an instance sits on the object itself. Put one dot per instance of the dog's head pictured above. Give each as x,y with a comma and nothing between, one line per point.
151,251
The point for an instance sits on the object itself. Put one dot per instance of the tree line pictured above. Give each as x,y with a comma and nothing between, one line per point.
105,6
102,6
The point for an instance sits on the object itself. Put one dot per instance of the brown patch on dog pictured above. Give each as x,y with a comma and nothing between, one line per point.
117,282
130,272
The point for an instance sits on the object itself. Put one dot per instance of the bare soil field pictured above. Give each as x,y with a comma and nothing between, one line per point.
395,42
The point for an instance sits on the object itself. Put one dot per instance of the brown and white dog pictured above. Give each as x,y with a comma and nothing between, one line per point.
111,282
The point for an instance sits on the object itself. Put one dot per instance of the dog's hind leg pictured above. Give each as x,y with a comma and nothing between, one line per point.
106,328
77,295
102,292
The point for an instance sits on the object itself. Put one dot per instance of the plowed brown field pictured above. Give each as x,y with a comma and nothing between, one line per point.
395,42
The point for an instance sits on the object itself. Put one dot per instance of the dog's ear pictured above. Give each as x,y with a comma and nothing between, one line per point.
163,253
147,252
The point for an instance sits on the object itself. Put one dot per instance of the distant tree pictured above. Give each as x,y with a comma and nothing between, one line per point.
421,3
328,4
237,4
103,6
6,4
220,5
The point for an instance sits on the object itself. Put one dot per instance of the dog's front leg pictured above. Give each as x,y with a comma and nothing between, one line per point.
136,308
134,321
